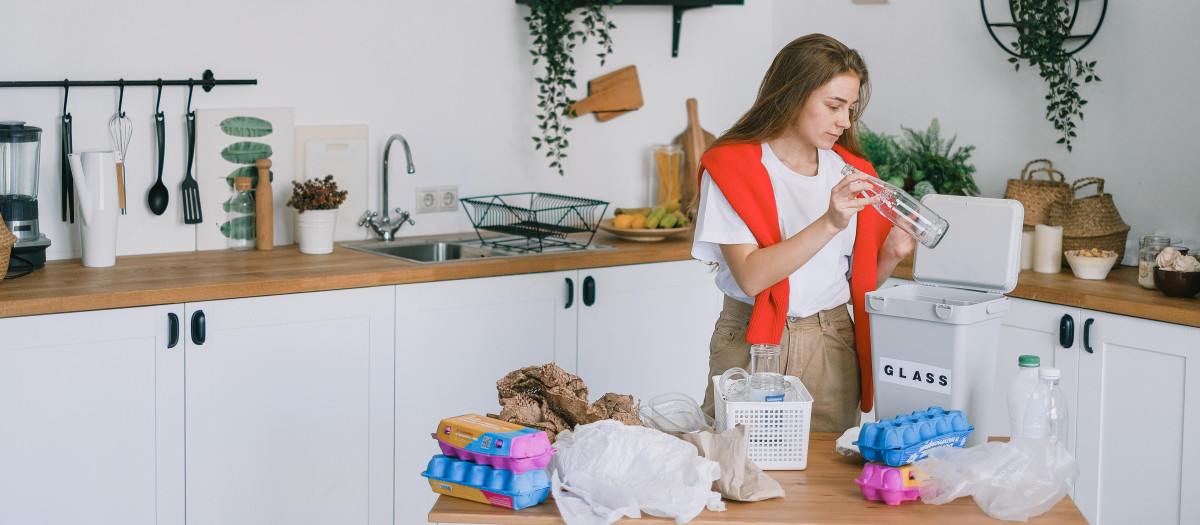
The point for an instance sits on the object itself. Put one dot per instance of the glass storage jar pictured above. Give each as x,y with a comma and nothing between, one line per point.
1150,246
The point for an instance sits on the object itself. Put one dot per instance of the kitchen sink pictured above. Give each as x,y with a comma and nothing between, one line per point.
455,248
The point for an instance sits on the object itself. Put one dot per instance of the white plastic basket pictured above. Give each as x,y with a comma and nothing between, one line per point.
778,429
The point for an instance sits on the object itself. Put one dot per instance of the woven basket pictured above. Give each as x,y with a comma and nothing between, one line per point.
1036,195
7,240
1090,222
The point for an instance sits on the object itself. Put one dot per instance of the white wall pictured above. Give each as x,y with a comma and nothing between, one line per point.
454,77
934,58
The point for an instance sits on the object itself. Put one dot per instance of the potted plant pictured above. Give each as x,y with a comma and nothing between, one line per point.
921,161
316,202
554,36
1042,27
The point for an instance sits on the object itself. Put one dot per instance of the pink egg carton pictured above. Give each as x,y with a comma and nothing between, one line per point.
499,444
887,483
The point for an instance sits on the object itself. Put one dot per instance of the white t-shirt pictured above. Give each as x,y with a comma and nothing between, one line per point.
822,282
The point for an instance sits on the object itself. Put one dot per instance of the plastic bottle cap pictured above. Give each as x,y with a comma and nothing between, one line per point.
241,183
1029,361
1049,373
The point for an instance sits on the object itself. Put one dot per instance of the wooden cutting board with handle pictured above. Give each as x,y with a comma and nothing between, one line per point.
611,95
694,140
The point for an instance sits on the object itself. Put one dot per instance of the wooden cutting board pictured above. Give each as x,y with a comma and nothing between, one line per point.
694,140
611,95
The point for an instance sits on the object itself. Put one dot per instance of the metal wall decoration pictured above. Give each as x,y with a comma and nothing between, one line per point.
1086,37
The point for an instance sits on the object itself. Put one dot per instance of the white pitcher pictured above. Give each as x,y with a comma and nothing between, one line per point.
95,174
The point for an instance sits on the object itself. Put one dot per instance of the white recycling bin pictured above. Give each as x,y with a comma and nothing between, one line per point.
935,343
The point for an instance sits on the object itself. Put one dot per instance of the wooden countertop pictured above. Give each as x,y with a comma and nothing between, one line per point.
825,492
142,280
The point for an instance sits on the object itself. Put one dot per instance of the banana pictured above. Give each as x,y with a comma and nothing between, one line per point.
668,221
655,217
631,211
672,205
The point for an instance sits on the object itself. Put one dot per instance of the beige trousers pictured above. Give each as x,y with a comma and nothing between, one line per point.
818,349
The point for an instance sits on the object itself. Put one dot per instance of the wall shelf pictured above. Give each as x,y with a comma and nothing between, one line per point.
677,9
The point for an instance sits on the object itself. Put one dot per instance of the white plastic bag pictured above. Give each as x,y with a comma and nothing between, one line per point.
1010,481
609,470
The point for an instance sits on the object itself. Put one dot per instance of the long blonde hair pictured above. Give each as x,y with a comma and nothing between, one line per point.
800,68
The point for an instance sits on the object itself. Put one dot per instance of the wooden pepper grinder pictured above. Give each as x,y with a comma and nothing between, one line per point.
264,210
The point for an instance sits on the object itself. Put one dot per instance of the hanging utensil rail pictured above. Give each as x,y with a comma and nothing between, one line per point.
207,81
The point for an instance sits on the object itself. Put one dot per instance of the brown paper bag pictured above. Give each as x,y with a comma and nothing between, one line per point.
741,479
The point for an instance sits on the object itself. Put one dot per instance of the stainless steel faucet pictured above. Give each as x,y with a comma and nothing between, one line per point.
383,227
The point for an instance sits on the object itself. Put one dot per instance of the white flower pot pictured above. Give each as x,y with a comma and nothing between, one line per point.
314,230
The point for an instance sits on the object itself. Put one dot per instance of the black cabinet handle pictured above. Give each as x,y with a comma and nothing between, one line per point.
1087,335
589,291
1066,331
570,293
172,330
198,327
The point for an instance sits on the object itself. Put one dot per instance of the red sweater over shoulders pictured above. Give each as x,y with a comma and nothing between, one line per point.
738,171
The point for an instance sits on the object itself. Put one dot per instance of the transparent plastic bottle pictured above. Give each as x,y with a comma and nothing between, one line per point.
240,228
1022,387
905,211
1046,413
766,381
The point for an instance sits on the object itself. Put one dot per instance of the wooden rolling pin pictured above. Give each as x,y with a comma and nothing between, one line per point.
264,207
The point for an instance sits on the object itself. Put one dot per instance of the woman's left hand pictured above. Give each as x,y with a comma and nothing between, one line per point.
898,245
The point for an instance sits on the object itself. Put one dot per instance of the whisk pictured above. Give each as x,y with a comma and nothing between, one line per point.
120,129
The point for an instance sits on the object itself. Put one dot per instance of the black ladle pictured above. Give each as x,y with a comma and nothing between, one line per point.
158,196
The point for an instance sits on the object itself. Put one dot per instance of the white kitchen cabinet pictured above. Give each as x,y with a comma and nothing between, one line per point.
1138,422
289,409
91,421
648,329
636,329
1131,422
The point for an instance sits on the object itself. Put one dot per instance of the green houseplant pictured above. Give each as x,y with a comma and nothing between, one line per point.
316,202
554,39
920,161
1042,27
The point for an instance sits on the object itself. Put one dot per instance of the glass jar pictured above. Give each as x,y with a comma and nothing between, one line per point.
666,163
240,228
1151,245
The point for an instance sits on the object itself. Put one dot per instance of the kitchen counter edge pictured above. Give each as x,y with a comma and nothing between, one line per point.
168,278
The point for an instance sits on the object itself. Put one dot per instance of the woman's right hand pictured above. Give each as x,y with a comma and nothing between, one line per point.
845,199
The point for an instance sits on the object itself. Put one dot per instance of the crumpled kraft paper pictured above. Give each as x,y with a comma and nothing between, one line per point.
741,479
551,399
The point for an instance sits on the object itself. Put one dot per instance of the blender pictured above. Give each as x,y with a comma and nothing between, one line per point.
20,152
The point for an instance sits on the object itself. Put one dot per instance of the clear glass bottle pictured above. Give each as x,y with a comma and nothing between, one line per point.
1150,246
766,380
905,211
1046,413
1022,387
240,228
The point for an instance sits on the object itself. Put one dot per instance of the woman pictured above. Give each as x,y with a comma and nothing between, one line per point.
785,229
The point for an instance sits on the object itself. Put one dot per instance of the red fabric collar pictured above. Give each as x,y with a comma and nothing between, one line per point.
738,171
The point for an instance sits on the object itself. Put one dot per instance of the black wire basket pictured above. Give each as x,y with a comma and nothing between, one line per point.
534,221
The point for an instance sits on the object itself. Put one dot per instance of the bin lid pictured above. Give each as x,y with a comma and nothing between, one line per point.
982,248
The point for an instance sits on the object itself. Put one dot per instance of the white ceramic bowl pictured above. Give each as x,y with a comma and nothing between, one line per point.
1093,268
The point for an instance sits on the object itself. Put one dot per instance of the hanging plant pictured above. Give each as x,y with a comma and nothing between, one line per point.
1042,27
554,39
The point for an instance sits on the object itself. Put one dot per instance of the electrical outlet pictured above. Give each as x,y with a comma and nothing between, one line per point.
427,200
447,198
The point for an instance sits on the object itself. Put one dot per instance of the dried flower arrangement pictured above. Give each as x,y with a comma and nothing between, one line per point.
316,194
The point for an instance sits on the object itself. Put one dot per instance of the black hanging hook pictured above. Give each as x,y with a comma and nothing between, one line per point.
66,93
121,98
191,86
158,103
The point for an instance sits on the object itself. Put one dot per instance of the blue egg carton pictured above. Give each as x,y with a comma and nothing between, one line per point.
909,437
483,483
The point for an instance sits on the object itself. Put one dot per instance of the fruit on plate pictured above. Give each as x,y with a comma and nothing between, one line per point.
662,217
